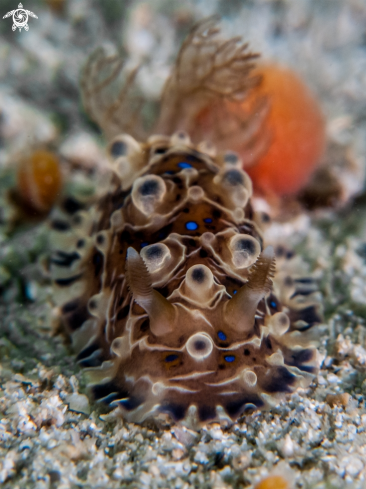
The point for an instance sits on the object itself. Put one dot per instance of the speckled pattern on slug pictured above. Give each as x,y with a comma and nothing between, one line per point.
172,301
167,293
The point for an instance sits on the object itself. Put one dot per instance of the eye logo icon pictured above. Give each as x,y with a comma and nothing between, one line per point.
20,18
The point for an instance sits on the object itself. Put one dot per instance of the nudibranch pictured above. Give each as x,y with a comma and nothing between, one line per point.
172,301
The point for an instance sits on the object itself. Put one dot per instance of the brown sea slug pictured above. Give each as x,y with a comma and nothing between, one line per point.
172,301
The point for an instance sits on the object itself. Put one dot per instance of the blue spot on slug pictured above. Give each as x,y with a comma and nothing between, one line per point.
230,358
221,335
191,225
183,164
208,219
234,292
144,244
273,304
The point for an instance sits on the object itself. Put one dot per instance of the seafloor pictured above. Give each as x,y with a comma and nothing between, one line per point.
50,434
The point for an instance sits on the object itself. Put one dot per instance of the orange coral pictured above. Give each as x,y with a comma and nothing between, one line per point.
273,482
297,132
39,180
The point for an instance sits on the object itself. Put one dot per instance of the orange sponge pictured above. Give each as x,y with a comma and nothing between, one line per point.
297,132
39,180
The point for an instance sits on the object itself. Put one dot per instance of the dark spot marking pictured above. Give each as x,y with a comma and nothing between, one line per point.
297,358
246,245
123,312
54,476
154,252
125,237
77,219
87,351
160,151
279,381
288,281
70,306
117,199
100,239
304,292
233,177
111,398
60,225
246,352
80,243
199,275
307,368
93,361
230,158
64,282
165,231
280,251
310,315
76,319
118,148
268,343
235,408
131,402
304,280
216,214
249,408
171,358
206,413
65,259
149,187
164,291
98,263
203,253
145,326
103,390
200,345
72,205
175,410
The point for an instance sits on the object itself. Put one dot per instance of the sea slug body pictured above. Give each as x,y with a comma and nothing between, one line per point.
171,298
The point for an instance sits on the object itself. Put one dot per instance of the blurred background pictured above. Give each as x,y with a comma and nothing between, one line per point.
324,42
